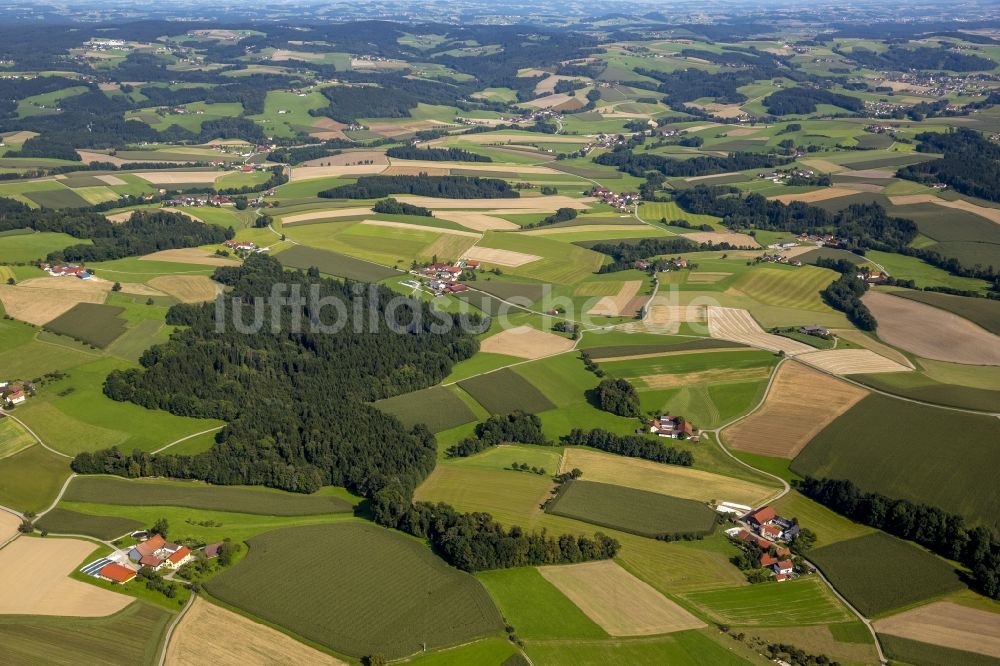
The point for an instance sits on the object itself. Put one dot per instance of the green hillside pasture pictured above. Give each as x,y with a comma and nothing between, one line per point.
536,608
878,572
923,274
949,224
13,438
508,289
904,650
334,263
437,407
898,449
94,323
63,197
195,495
804,601
29,247
812,256
561,263
130,636
73,414
64,521
499,651
654,212
684,648
630,510
505,391
918,386
828,525
501,457
982,311
31,479
797,288
358,589
611,351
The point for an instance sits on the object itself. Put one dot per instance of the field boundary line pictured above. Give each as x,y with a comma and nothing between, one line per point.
185,438
170,629
33,434
62,491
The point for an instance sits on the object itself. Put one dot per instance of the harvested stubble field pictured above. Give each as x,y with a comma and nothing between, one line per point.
991,214
895,447
476,221
436,407
40,300
187,288
520,205
300,173
212,634
493,256
731,237
799,405
180,177
859,338
190,256
194,495
804,601
93,323
878,572
629,510
525,342
851,361
331,213
34,576
706,277
8,525
904,323
674,380
982,311
949,625
505,391
617,305
816,195
358,589
654,477
64,521
619,602
131,636
739,326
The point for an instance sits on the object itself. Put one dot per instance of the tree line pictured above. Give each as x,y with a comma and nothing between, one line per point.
934,528
845,293
447,187
637,164
633,446
392,207
436,154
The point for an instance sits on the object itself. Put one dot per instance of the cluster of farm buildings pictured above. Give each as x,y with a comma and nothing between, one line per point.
154,552
673,427
14,393
769,532
442,278
66,270
619,201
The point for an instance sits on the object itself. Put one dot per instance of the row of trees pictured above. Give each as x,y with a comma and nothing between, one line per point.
561,215
845,294
637,164
447,187
516,427
391,206
436,154
633,446
942,532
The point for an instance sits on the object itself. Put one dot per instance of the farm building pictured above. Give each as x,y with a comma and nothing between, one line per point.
674,427
66,270
819,331
770,525
116,573
157,552
15,395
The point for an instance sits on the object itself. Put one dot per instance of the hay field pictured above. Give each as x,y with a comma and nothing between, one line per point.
799,405
904,323
212,634
816,195
525,342
394,170
476,221
301,173
712,375
40,300
190,255
326,214
737,325
674,480
619,602
824,166
948,624
733,238
851,361
521,205
617,305
111,180
187,288
34,576
706,277
182,177
859,338
508,258
8,525
419,227
587,228
350,158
